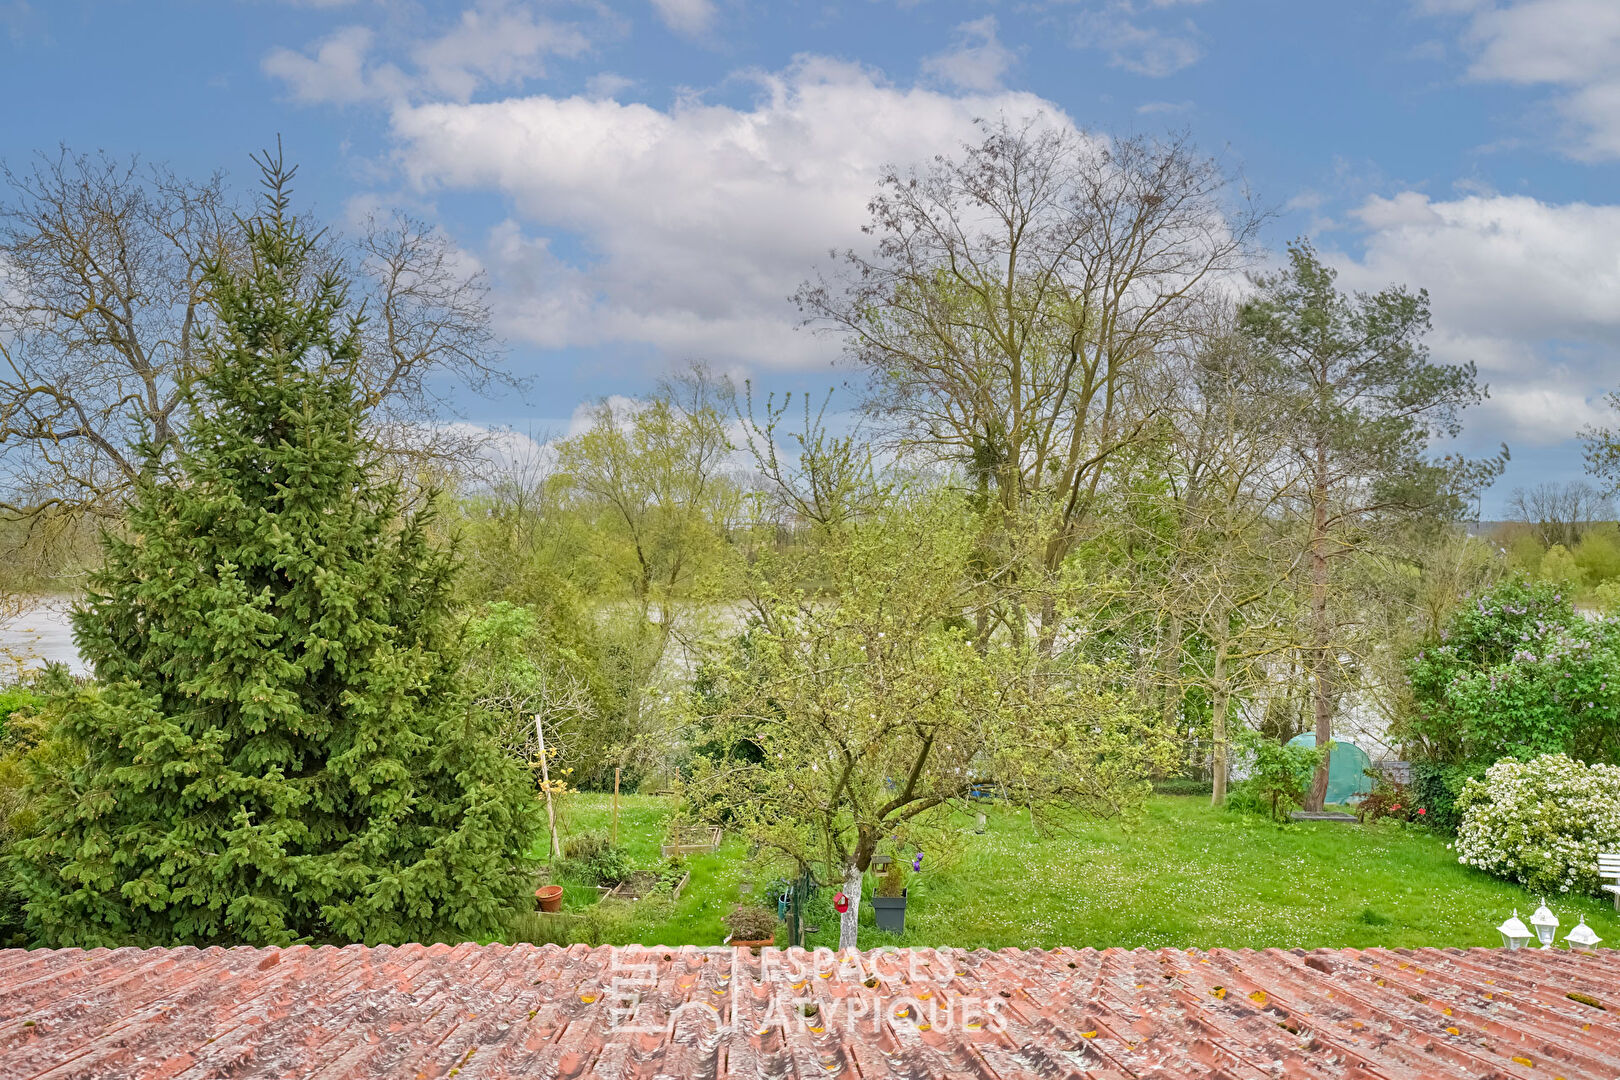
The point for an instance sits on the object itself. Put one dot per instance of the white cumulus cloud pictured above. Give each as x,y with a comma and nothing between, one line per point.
976,60
1571,45
1526,289
684,229
493,43
338,70
689,17
1137,42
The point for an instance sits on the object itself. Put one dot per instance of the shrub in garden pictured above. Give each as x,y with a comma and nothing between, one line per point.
1436,787
669,874
1182,785
892,883
750,922
17,698
1516,673
1387,799
1541,822
592,857
1279,774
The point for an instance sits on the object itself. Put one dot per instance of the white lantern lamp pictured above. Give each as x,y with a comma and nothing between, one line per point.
1546,924
1514,933
1582,936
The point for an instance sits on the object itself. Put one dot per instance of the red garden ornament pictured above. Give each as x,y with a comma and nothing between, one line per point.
840,903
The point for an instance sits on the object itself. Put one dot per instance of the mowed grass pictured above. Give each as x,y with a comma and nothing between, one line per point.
1183,876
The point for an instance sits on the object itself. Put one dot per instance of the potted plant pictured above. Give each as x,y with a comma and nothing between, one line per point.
889,905
751,926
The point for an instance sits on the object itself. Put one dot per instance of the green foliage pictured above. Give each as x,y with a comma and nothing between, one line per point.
892,882
17,698
1597,554
838,724
1356,370
1522,547
1436,787
669,874
1279,774
523,660
274,750
1516,673
1387,799
620,553
1362,400
1181,785
21,736
1558,566
592,858
1541,822
610,922
750,922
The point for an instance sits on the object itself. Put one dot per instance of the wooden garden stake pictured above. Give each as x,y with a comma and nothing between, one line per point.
615,806
545,782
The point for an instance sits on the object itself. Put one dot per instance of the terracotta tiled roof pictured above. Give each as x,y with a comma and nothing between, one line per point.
636,1012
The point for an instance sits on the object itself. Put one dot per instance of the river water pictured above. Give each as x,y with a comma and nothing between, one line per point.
42,633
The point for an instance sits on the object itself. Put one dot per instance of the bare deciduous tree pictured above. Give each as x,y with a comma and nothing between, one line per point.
1560,513
102,298
1226,591
1012,301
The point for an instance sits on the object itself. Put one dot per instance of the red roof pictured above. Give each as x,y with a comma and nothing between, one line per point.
643,1012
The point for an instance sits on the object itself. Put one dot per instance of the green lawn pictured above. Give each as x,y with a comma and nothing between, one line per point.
1184,876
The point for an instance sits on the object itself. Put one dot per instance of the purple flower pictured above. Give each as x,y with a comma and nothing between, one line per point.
916,863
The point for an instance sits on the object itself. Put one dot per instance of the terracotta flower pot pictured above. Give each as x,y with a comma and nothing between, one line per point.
753,943
550,897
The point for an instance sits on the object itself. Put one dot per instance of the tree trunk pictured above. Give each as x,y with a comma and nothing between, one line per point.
545,781
1170,672
1321,631
1217,724
849,920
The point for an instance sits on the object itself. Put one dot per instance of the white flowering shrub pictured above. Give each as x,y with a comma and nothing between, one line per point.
1541,822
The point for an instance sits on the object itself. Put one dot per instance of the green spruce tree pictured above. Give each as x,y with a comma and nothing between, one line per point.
273,749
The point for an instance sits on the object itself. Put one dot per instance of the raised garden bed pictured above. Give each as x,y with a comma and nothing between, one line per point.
643,882
690,839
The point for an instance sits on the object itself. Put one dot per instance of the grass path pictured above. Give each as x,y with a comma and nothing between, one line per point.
1184,876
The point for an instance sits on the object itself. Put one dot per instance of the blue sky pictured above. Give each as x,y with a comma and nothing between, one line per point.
646,180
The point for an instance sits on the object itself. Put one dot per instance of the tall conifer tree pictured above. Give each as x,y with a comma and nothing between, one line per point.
1359,400
273,750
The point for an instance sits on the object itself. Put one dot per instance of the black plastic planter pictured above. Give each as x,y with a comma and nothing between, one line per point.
890,912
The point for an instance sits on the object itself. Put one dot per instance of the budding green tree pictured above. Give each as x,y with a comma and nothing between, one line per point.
860,705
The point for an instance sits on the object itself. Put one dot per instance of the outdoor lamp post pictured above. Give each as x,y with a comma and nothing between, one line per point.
1514,933
1582,936
1546,924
